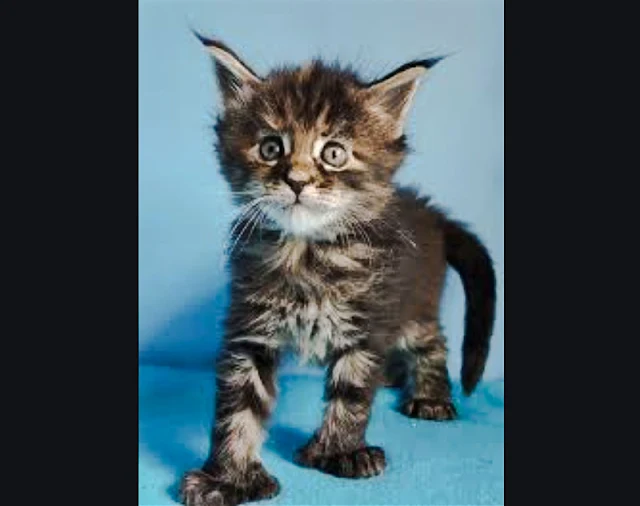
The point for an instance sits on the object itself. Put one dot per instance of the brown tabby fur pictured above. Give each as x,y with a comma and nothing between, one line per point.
342,266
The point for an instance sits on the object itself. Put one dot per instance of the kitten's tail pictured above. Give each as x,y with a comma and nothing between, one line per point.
469,257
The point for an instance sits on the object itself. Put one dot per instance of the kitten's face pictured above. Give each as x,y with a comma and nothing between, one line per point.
313,147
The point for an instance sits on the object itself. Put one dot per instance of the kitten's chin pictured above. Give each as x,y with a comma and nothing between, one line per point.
305,222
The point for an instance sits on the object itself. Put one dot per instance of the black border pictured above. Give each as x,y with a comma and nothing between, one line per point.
71,182
562,354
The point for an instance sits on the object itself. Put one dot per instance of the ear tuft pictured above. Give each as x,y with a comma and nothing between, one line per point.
203,40
391,96
236,79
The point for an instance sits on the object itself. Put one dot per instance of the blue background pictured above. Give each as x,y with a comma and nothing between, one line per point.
456,129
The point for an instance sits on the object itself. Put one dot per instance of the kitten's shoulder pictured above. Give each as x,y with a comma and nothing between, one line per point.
410,203
422,221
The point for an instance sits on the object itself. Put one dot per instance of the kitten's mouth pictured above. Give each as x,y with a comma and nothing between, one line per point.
299,204
309,204
303,215
301,218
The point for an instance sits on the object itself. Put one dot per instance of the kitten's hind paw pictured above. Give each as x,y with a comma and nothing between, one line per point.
430,409
201,489
362,463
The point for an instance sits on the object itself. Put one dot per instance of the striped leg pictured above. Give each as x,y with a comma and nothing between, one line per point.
245,396
428,389
339,447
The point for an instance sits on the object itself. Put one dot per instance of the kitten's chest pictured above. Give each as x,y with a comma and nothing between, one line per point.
314,328
317,294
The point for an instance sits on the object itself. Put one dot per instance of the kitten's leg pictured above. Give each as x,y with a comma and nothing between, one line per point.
395,369
339,446
245,396
428,391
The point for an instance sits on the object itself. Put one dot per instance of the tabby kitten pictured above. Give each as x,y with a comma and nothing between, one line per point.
335,261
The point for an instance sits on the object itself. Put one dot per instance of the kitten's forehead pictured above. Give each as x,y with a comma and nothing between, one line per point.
313,96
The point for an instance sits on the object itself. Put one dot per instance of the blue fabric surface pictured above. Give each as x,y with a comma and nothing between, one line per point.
451,463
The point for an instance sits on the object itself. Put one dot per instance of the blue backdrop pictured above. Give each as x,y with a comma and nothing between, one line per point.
456,129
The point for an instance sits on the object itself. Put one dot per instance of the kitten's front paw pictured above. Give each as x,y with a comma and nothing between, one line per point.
362,463
430,409
201,489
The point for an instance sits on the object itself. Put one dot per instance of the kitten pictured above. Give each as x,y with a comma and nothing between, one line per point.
334,260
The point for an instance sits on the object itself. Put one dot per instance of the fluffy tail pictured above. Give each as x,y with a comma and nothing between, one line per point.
469,257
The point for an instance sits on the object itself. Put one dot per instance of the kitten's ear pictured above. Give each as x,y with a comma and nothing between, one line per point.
392,95
236,80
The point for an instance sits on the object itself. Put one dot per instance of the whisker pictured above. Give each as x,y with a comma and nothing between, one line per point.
343,235
367,240
350,223
245,210
254,212
397,228
257,219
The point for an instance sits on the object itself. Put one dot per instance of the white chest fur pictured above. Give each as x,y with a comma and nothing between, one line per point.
314,329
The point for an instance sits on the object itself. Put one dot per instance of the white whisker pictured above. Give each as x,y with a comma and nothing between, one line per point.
244,210
254,213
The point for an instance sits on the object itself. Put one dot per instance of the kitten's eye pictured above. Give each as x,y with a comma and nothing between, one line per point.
334,154
271,148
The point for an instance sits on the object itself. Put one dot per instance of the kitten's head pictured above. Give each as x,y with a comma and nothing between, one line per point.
314,147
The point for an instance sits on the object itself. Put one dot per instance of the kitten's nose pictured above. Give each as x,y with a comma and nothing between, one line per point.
297,180
296,186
